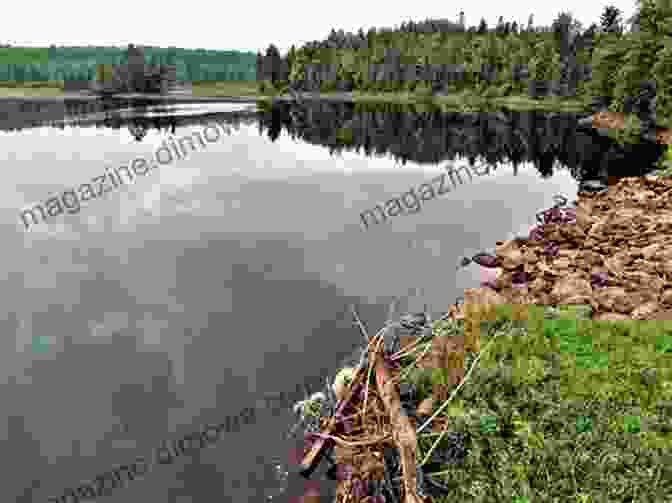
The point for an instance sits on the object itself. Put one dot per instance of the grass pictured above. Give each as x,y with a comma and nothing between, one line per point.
225,88
462,100
249,88
37,88
563,410
469,100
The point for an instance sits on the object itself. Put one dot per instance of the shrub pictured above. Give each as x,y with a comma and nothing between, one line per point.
664,166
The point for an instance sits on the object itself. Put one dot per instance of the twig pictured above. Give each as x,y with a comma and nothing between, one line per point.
339,440
445,404
362,328
368,378
408,350
391,310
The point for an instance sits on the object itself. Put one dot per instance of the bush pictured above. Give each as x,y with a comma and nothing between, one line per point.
491,92
423,89
630,132
664,166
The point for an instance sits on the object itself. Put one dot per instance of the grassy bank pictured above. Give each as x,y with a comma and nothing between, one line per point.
463,100
225,88
27,89
561,408
472,101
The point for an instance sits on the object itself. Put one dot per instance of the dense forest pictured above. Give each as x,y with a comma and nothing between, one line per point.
79,63
441,57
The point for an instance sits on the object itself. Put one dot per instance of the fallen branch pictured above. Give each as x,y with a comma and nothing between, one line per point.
403,432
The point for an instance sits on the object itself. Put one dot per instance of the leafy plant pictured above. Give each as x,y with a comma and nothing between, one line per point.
630,132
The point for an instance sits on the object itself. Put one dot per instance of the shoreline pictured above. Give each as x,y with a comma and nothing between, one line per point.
224,95
576,293
462,101
180,99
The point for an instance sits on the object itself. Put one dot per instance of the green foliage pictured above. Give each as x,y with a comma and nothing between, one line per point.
267,87
664,168
610,20
57,63
635,64
619,61
607,60
662,74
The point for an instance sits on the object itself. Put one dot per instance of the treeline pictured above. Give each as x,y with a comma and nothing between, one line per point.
439,56
435,56
79,63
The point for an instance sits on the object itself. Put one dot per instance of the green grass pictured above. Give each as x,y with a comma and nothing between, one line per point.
225,88
31,84
462,100
472,101
557,411
40,88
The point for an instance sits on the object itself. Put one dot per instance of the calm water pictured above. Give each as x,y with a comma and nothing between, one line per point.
216,279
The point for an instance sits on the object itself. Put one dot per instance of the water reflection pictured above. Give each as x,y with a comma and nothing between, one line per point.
419,134
137,116
429,136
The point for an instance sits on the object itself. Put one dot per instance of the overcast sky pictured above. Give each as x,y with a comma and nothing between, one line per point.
251,26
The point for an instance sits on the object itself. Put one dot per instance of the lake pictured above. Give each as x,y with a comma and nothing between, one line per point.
187,295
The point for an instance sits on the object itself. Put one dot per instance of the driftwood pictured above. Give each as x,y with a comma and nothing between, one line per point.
403,431
313,457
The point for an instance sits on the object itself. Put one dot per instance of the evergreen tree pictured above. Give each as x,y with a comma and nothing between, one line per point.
274,62
610,20
291,56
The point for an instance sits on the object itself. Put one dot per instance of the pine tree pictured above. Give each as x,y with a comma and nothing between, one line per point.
273,61
610,20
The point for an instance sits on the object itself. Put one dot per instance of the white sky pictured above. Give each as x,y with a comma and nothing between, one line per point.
252,25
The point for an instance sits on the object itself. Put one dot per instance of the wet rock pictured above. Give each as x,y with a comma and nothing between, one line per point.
593,186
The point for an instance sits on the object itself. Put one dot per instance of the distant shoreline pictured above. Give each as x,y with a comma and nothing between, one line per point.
145,97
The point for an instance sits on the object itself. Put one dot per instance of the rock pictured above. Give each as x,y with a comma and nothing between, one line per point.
425,407
611,317
666,297
644,311
586,122
592,186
